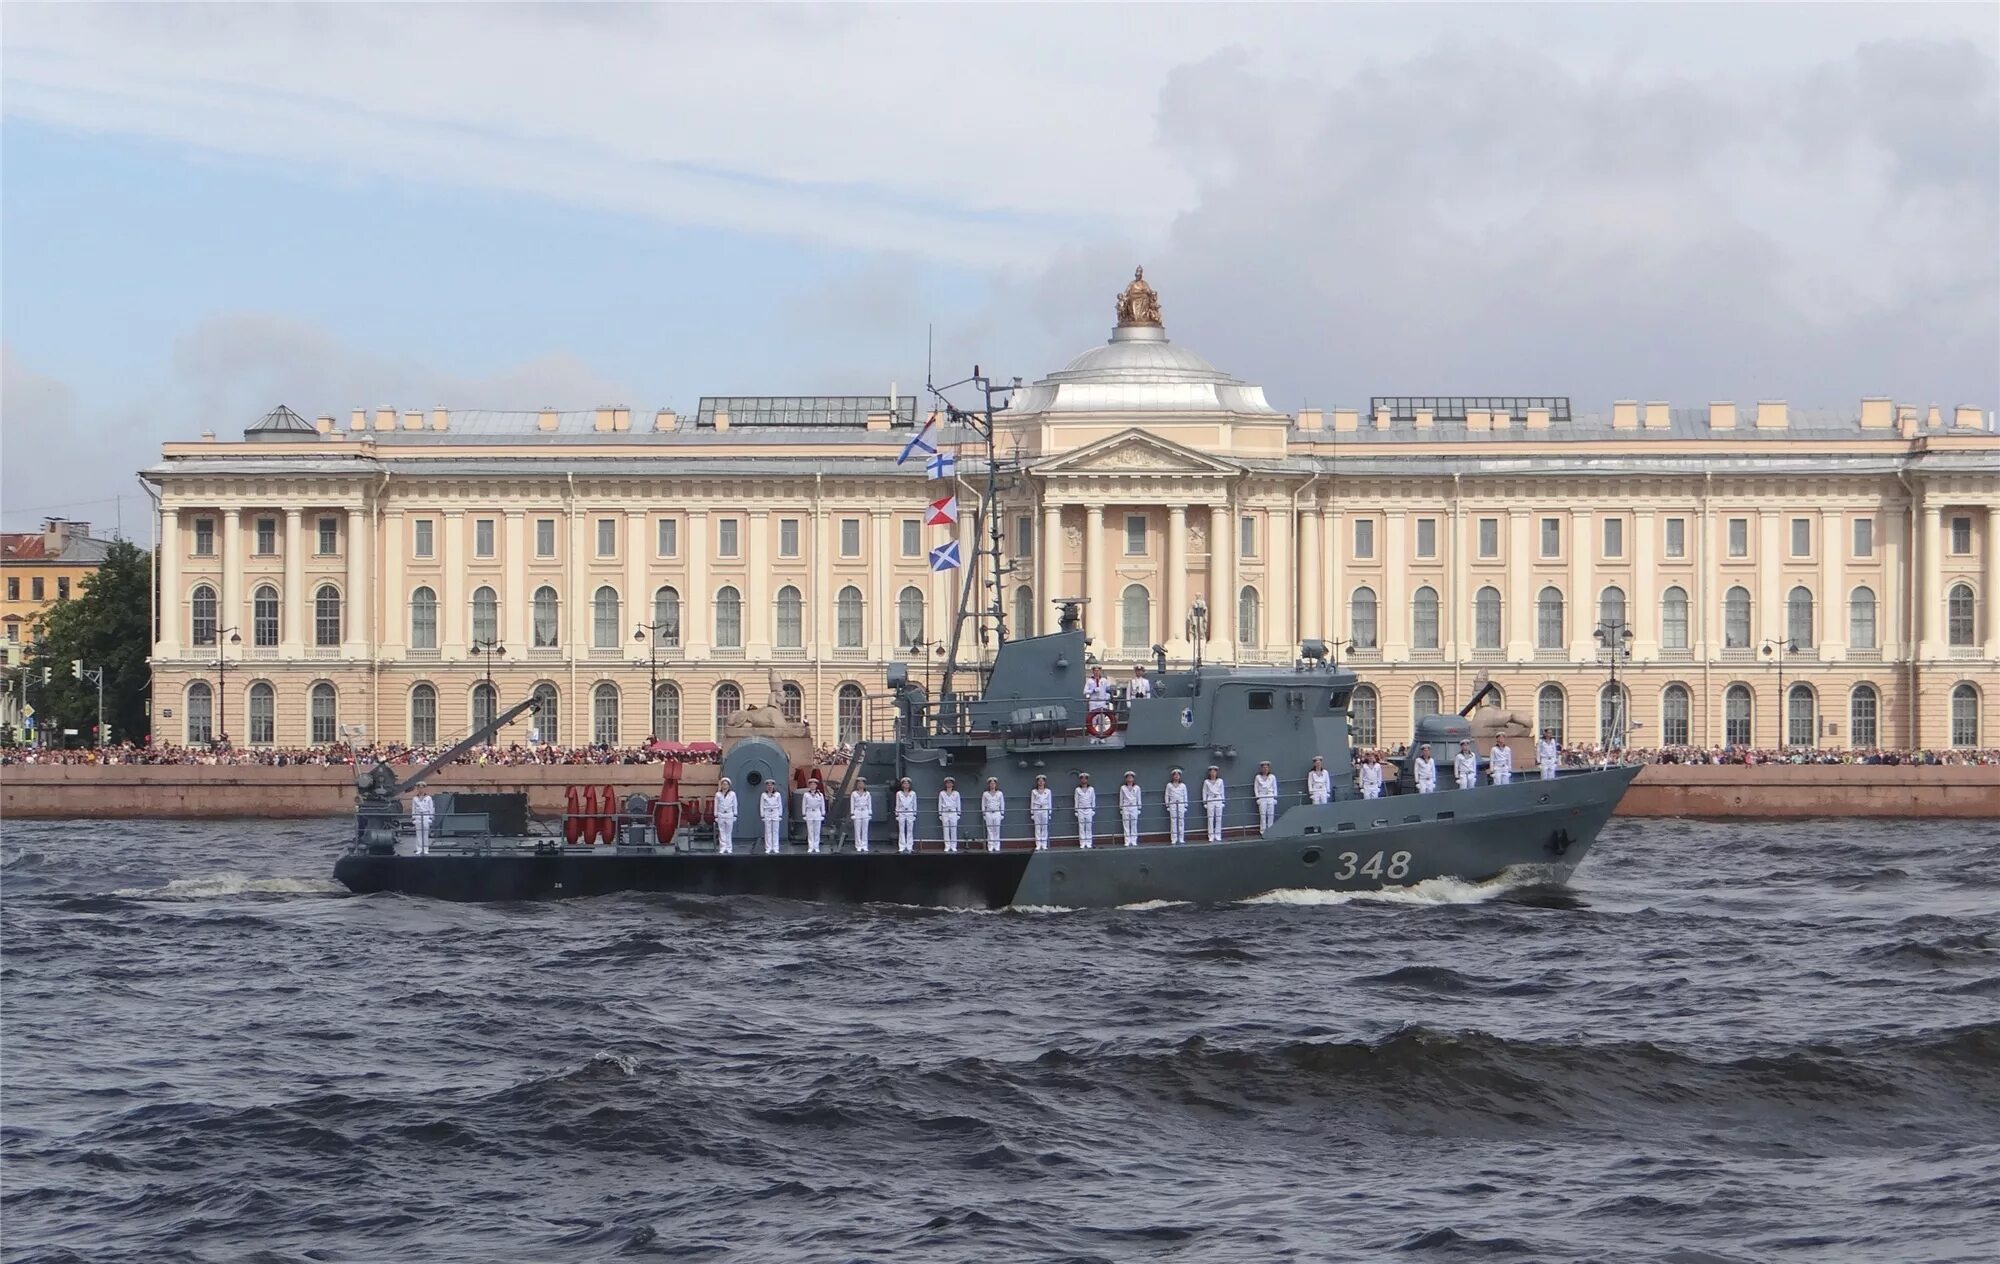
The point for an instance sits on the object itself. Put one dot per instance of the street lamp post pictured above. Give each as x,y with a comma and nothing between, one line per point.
488,649
1197,629
1776,650
650,634
1614,637
221,735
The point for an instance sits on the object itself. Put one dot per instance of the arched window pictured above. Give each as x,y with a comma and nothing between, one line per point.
547,723
847,622
201,621
1801,718
667,617
1024,611
1799,617
1424,700
1549,711
323,714
1676,708
1424,619
548,621
1364,714
1486,619
326,616
264,617
604,618
667,712
1958,615
847,714
485,616
1864,710
1736,619
1674,618
1135,628
424,712
1965,714
792,701
1861,620
424,620
791,619
1361,629
200,713
1247,609
728,701
1736,716
1611,609
1549,634
604,714
728,618
485,699
1613,704
910,616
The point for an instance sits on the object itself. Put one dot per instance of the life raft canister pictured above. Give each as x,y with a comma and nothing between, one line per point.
1099,724
572,816
608,805
666,820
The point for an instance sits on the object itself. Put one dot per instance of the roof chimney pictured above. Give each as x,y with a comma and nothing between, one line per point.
621,419
1966,417
1311,419
1772,415
359,421
1382,417
1877,413
1658,415
602,422
440,419
665,420
1538,419
385,419
1347,419
546,419
1722,416
324,425
1625,415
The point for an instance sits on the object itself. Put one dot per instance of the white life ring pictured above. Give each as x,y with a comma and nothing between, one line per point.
1099,724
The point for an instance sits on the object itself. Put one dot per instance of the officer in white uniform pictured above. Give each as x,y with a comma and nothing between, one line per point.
1177,806
1264,786
725,817
993,806
1141,686
906,816
1086,811
1129,797
1319,782
1548,753
814,810
423,810
1096,697
1213,795
1500,763
1465,766
950,808
1426,770
861,811
771,811
1041,806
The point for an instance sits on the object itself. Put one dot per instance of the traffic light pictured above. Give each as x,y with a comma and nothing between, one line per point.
76,668
46,673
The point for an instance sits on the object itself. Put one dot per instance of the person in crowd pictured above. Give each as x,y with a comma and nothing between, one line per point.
860,811
1425,770
1129,799
1041,806
771,811
725,816
1096,697
1319,782
1177,808
813,809
1213,795
1465,766
1500,763
993,806
1086,811
950,808
423,811
906,816
1264,788
1548,753
1141,686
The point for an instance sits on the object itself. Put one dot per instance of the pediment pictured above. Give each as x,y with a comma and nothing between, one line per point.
1136,452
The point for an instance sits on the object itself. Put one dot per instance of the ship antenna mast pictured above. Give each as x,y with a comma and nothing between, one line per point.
986,519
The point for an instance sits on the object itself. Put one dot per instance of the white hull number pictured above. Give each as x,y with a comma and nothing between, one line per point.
1351,864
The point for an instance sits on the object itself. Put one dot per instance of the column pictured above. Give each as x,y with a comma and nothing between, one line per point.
1393,614
1987,605
638,594
1890,596
292,627
1283,611
758,602
881,633
356,613
1458,612
1927,554
1221,582
230,609
578,601
1708,596
1097,619
515,598
395,601
1642,608
454,616
1517,610
698,609
819,591
1832,630
1767,620
1582,604
173,609
1334,610
1050,585
1174,609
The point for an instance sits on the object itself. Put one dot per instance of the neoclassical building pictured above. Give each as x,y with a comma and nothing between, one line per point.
1751,573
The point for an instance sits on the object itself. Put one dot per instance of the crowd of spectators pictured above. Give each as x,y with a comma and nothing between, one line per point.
1597,756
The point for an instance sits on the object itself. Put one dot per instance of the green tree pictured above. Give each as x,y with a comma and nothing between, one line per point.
107,625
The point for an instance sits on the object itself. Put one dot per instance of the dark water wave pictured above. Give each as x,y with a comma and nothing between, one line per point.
1721,1044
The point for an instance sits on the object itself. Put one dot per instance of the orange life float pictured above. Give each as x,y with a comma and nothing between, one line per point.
572,816
608,806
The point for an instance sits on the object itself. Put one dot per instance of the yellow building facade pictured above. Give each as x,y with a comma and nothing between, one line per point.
366,579
38,569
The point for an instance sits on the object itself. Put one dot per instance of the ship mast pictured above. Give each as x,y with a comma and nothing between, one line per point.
986,519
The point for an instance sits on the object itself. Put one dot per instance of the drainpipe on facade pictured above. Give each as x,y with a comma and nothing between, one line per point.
1912,591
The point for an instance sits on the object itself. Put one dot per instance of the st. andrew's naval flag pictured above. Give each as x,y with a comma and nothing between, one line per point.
945,556
943,512
918,443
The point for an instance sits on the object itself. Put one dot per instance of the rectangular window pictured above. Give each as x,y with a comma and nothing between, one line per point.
850,537
1677,537
1247,530
1864,540
728,538
62,588
1364,537
1614,537
204,537
1024,535
267,537
13,588
482,537
36,589
545,537
1489,537
423,538
1961,535
1802,537
1739,537
667,537
1135,535
607,537
1552,537
329,536
788,537
14,633
1427,537
913,537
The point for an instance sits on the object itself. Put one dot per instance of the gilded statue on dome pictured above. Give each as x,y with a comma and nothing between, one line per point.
1137,303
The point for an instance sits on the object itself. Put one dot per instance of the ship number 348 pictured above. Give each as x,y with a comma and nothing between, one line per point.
1396,868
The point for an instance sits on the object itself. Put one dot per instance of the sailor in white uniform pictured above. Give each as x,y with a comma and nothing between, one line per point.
725,817
423,811
1086,811
993,806
1141,686
1177,806
1041,806
950,808
1548,752
1319,782
1264,787
1371,776
906,816
1129,797
1426,770
1213,794
1096,697
813,808
1500,763
771,811
1465,766
860,810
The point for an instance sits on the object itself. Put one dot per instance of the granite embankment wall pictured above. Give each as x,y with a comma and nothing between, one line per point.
56,792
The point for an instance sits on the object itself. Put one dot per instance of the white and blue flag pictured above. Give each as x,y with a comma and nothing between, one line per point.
918,443
945,556
941,465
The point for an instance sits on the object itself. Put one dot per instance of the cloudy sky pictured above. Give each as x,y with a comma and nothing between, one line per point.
207,211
